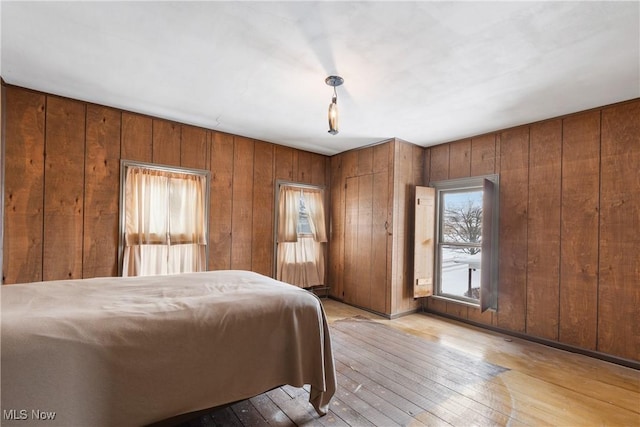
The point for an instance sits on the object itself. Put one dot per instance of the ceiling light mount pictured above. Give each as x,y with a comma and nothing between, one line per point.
334,81
333,107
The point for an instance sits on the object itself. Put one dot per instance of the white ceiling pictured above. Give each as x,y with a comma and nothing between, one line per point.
425,72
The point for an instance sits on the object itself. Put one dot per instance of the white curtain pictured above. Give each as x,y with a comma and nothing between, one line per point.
300,258
315,206
288,214
165,224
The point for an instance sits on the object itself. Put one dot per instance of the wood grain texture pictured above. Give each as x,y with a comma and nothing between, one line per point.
424,251
194,147
380,222
619,264
304,167
460,159
319,166
364,280
350,164
483,155
221,201
579,244
351,240
336,228
543,245
263,196
365,161
242,210
439,168
23,186
405,171
166,142
284,163
136,140
101,177
64,189
382,158
493,381
514,165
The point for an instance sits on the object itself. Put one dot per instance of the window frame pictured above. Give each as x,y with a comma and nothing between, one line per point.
124,166
490,242
276,201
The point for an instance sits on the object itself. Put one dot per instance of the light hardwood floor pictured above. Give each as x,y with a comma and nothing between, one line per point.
404,381
543,385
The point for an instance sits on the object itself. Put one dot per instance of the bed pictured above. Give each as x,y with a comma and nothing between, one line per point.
135,351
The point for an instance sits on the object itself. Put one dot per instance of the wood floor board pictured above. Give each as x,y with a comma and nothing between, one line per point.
424,370
298,410
565,406
348,414
248,414
355,401
420,387
271,412
388,413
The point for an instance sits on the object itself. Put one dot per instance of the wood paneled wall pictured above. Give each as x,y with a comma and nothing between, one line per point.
62,179
371,241
569,227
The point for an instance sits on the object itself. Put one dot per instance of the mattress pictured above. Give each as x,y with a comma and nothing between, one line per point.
138,350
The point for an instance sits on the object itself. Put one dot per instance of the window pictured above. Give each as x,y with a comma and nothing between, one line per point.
463,240
300,235
304,227
164,219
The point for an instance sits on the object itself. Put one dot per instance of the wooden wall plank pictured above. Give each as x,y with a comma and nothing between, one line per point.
460,159
427,166
284,163
136,140
365,161
364,249
380,221
101,177
166,142
264,197
63,189
350,164
242,216
382,153
194,147
221,201
304,167
336,228
406,174
619,285
23,186
351,278
319,166
483,155
514,165
543,245
439,168
579,222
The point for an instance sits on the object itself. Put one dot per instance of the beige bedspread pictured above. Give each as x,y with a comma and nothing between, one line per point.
132,351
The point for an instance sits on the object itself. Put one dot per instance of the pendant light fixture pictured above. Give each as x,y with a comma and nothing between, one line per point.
333,107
